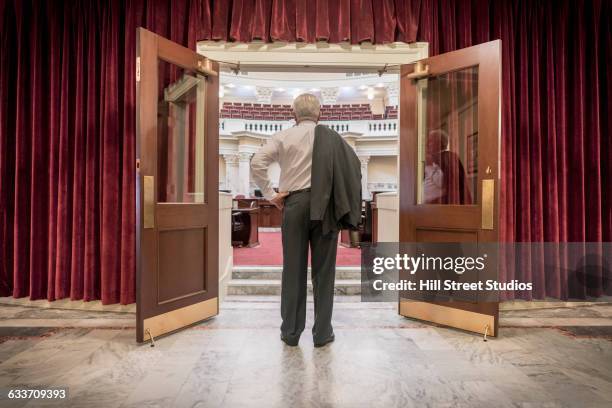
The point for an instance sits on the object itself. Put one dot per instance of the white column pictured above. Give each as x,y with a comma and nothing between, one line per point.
392,94
244,173
231,172
365,193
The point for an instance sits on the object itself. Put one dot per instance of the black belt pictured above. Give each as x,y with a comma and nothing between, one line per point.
299,191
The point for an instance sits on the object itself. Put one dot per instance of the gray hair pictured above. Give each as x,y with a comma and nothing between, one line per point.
442,137
306,107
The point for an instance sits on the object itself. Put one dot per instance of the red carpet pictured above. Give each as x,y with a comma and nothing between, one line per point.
270,252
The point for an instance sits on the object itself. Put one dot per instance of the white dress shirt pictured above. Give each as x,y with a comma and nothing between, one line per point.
434,183
292,150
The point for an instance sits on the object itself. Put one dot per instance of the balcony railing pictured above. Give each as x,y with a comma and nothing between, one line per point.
369,127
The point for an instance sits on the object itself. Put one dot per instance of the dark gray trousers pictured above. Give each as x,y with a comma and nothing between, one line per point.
298,233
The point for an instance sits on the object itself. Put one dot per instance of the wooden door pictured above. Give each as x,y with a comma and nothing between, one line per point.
177,97
449,165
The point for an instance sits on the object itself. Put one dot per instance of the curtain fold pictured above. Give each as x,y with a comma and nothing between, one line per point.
67,118
353,21
67,140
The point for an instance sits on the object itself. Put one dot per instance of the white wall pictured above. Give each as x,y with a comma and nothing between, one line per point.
382,169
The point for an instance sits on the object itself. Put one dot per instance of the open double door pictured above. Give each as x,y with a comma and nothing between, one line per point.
451,100
177,199
449,168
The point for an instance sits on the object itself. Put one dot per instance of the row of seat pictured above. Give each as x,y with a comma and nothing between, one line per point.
391,112
257,111
260,105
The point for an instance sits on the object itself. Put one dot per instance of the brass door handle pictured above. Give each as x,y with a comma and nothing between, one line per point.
488,204
148,189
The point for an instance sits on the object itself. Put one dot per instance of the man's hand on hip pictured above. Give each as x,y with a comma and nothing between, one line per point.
279,200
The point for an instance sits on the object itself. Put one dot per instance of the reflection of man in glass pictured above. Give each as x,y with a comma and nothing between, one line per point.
444,180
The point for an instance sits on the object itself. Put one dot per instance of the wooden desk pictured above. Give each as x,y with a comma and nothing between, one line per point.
271,217
247,202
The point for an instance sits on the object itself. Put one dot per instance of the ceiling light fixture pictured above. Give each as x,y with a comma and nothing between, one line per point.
370,93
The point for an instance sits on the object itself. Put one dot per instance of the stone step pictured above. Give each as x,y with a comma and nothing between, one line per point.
272,287
274,272
265,301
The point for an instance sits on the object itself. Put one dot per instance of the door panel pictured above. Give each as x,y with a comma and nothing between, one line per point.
176,186
449,166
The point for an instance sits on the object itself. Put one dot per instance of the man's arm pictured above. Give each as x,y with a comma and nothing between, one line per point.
259,167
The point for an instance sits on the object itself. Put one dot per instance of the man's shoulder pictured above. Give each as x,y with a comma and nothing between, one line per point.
280,135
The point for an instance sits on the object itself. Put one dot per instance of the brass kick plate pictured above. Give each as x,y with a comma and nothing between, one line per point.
148,186
488,204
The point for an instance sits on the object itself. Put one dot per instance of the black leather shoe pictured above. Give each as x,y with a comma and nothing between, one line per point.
288,341
326,341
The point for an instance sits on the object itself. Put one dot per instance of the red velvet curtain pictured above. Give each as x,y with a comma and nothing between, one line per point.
355,21
67,117
67,134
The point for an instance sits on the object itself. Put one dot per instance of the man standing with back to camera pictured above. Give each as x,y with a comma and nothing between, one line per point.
319,193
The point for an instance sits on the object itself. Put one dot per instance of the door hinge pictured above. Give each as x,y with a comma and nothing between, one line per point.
137,69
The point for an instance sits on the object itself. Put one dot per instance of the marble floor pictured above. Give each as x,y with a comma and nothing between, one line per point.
543,358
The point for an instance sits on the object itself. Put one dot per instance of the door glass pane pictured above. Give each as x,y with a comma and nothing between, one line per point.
180,135
448,138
